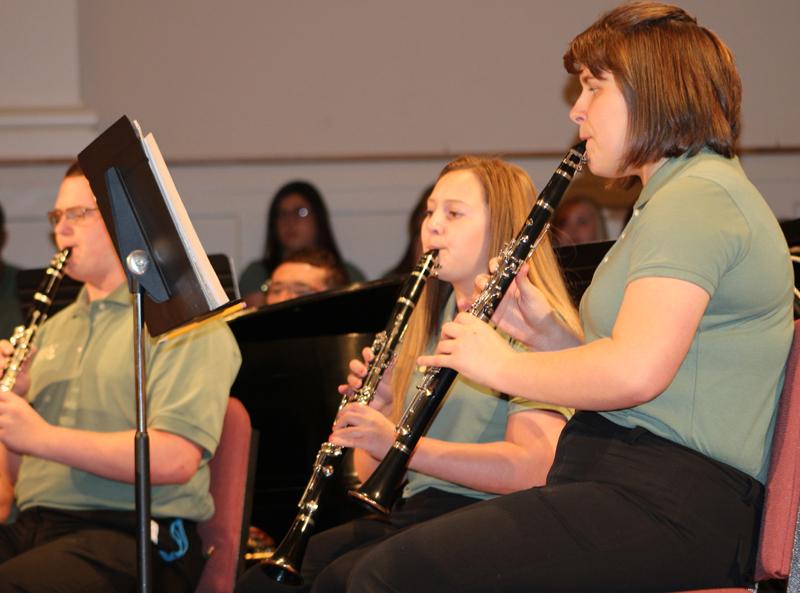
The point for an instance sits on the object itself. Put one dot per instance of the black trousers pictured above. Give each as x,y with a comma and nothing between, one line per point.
623,511
47,550
333,553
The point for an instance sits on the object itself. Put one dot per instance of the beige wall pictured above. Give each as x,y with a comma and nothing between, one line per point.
280,78
266,79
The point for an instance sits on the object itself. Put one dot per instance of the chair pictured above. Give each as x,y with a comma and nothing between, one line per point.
222,534
777,556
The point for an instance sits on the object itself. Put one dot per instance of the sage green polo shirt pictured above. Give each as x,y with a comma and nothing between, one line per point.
471,413
701,220
83,378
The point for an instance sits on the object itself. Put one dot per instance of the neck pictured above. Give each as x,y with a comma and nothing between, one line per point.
100,289
648,170
464,292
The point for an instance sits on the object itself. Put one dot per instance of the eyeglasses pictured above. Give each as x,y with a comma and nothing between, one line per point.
73,214
301,212
277,292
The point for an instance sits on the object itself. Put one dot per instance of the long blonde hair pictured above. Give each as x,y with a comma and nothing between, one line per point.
510,194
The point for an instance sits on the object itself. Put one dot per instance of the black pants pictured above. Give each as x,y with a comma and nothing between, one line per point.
331,554
622,511
48,550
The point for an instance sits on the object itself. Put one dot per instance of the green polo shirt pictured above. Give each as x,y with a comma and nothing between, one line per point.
83,378
471,413
700,220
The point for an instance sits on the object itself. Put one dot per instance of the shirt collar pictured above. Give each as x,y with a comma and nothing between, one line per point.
119,297
665,172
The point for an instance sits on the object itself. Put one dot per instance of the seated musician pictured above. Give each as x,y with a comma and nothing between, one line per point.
304,272
482,443
657,484
67,430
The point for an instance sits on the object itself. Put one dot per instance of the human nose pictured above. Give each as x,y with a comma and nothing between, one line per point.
578,112
434,221
63,226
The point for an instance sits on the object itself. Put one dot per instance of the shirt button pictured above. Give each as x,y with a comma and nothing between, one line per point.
636,212
80,349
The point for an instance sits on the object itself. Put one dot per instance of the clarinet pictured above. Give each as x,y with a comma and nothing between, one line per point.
24,334
381,489
284,564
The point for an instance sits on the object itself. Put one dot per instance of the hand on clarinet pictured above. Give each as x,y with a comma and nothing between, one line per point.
382,398
21,427
525,314
471,347
23,379
362,427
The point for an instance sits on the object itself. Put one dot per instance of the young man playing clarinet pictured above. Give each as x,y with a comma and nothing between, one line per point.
67,430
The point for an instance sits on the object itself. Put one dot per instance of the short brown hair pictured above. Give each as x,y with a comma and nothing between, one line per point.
321,258
74,170
679,80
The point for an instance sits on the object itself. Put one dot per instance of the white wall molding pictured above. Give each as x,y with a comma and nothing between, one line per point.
45,133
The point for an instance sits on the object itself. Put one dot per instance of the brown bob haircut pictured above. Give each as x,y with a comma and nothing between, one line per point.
679,80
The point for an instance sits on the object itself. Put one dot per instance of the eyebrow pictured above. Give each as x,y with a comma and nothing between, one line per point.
586,77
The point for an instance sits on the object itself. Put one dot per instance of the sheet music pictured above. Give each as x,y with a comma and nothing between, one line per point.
212,288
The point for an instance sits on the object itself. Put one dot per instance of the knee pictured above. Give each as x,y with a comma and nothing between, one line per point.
373,573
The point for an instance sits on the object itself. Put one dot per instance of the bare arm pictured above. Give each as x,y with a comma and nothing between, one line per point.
520,461
9,467
654,329
173,459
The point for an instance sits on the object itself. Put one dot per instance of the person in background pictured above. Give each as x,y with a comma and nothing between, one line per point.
10,309
414,248
67,430
578,220
297,219
305,272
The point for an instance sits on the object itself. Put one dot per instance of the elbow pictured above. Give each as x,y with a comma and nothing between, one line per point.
642,385
523,482
177,469
182,474
530,473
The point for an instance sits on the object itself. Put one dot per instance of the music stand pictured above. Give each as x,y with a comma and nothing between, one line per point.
168,272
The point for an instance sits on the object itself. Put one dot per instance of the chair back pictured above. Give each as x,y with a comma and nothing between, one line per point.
222,534
782,497
782,501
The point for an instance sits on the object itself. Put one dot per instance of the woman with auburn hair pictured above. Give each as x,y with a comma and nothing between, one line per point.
657,484
482,443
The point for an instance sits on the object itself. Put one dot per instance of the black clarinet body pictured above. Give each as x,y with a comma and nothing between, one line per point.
381,489
22,339
284,564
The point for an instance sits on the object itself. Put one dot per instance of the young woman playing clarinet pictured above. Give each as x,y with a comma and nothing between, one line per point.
657,485
482,443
